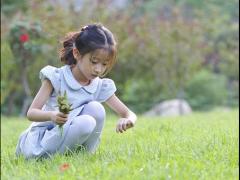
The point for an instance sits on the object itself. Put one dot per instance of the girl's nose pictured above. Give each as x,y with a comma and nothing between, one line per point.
98,68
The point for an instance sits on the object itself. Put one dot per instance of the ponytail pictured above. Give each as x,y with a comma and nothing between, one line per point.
66,53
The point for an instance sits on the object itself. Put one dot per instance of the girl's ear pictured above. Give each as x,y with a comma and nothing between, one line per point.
76,54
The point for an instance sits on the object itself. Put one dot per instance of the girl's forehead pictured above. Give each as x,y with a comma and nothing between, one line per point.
101,54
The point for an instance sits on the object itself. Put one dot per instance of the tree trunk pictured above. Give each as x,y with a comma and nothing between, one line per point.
27,91
26,104
11,103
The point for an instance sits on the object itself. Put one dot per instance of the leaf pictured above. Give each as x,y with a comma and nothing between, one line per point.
63,106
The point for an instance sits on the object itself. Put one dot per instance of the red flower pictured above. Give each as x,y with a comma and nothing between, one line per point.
64,167
24,38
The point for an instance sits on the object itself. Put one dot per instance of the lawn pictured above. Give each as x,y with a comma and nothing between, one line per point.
197,146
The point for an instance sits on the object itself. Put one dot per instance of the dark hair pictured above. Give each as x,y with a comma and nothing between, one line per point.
91,38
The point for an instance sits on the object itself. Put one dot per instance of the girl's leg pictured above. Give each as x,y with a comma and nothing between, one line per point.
79,130
97,111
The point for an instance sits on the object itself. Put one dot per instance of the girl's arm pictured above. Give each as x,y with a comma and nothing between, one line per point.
36,114
128,118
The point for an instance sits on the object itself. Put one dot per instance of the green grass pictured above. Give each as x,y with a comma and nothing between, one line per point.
198,146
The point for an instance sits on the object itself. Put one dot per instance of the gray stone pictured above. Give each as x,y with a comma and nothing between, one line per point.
174,107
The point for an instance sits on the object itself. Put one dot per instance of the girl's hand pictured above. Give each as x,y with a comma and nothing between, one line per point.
124,124
58,117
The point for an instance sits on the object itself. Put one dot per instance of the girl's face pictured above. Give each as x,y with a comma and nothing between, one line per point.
94,64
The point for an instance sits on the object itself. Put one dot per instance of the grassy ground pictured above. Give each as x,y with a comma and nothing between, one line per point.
198,146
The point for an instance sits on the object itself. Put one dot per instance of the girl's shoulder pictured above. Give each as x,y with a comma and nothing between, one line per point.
52,74
106,88
49,70
106,82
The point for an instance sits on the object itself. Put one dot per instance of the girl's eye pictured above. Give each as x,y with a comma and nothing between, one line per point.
104,64
94,61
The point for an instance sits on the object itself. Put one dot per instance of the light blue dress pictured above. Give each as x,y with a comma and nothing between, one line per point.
43,138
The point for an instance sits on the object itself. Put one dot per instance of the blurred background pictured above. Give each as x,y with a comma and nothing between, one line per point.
175,49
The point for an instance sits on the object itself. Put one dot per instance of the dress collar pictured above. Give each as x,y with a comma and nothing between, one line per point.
75,85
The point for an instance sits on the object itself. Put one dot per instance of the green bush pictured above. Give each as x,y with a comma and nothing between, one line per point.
233,93
140,95
206,90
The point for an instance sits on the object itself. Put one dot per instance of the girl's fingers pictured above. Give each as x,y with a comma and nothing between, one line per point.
63,115
124,126
119,128
129,124
61,120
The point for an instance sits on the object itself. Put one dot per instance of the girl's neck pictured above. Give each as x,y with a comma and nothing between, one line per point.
78,75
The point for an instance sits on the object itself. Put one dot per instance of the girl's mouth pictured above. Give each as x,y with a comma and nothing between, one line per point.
94,75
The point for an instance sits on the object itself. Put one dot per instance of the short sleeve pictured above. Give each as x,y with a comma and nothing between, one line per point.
52,74
107,89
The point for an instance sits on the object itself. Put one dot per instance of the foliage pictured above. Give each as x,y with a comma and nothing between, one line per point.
23,38
142,93
198,146
63,106
7,67
63,103
11,6
160,58
161,45
222,38
206,90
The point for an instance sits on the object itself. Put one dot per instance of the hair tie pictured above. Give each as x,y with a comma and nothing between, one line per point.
84,28
74,45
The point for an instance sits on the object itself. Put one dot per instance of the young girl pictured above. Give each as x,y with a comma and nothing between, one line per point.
88,55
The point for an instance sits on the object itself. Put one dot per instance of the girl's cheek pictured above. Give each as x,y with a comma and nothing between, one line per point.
105,69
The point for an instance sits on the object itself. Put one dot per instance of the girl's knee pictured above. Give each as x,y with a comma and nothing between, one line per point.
96,110
84,124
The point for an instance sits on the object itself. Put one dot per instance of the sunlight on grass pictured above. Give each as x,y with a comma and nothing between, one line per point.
197,146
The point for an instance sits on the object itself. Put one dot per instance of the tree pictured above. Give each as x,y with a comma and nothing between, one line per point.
23,43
